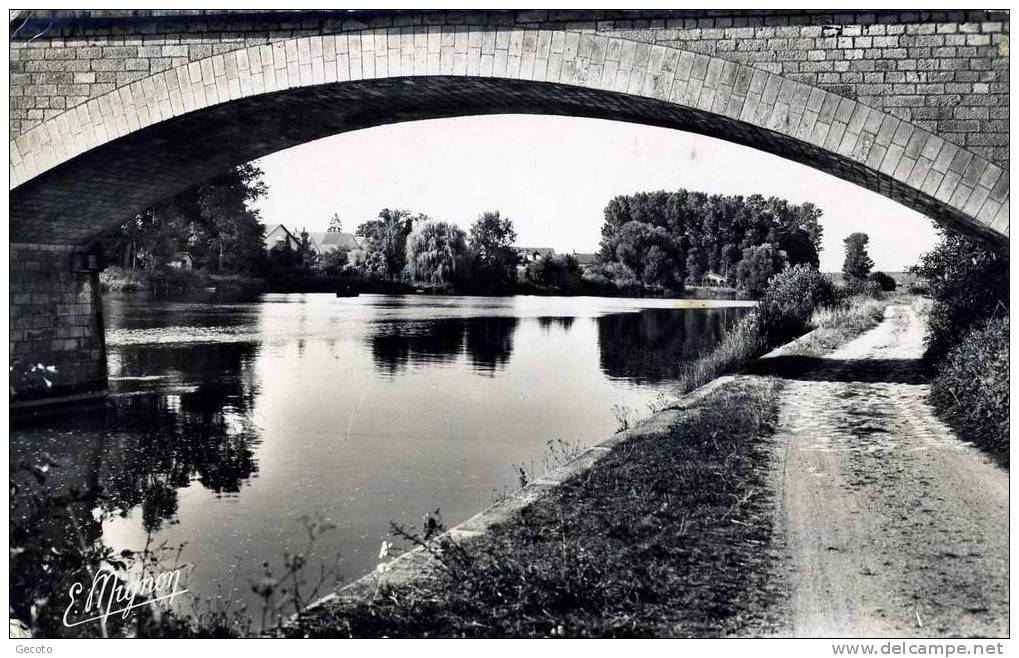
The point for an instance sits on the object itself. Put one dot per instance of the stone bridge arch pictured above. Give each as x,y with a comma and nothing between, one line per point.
88,154
100,162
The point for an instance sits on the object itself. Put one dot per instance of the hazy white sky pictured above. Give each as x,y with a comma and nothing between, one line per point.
553,177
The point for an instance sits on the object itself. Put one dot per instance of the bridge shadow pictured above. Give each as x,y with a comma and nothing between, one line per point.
871,371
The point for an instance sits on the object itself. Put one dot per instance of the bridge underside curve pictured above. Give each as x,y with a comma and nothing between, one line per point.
75,201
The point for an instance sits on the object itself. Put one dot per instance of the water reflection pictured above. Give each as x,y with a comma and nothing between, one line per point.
131,458
655,345
229,421
486,342
548,323
152,439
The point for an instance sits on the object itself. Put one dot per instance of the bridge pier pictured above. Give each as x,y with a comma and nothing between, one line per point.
56,322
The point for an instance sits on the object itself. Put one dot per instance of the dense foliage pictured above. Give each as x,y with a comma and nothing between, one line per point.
665,240
759,264
386,240
491,243
212,221
792,297
967,284
972,386
557,272
885,282
967,340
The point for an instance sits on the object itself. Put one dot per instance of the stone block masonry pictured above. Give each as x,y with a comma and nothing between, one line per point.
56,321
945,71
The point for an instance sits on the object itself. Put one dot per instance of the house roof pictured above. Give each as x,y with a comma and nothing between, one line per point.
541,251
329,240
585,259
277,227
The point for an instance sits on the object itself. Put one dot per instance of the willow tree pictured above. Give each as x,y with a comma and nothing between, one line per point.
436,253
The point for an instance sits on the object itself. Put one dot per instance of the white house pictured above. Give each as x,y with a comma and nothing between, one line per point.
278,237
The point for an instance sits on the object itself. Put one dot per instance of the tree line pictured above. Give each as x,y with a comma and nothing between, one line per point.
651,243
668,240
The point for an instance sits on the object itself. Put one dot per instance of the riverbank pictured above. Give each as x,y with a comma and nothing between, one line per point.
168,280
177,281
668,534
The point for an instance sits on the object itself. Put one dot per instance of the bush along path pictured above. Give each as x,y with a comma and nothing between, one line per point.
891,525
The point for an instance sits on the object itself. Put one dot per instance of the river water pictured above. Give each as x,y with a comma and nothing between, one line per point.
229,421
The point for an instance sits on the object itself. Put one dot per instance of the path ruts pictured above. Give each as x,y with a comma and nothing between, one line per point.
891,525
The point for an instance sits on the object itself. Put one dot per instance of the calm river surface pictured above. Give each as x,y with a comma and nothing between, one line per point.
229,421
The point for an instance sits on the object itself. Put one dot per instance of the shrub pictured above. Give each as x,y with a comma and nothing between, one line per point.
791,298
967,284
860,288
886,283
334,262
971,386
121,279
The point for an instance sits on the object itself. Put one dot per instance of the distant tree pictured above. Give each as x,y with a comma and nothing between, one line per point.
758,265
679,236
857,264
557,271
651,252
491,240
335,224
387,235
374,265
490,234
436,252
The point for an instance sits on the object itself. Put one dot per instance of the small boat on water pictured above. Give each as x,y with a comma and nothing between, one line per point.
346,291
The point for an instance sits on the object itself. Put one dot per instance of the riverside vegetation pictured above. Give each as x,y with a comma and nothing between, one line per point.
665,536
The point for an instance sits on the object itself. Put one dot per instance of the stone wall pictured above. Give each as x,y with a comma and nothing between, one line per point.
944,71
55,321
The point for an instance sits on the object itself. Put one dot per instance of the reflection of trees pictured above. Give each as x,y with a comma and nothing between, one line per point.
487,342
564,323
133,454
652,346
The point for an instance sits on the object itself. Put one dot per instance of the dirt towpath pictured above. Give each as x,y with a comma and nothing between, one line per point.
891,525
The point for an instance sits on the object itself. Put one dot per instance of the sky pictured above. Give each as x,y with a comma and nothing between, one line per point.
553,177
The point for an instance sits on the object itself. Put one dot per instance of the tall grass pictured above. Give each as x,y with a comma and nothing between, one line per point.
785,312
740,345
832,325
